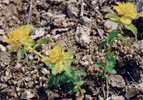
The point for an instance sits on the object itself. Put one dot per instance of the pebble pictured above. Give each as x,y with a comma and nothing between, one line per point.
116,81
2,48
131,92
45,71
110,25
6,1
27,94
113,97
2,35
38,33
140,87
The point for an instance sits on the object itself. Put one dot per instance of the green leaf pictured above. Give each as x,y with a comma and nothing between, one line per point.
50,65
132,28
67,68
79,83
80,72
113,71
111,36
31,62
124,40
110,63
59,78
51,80
113,17
68,54
99,65
40,42
21,53
101,45
28,42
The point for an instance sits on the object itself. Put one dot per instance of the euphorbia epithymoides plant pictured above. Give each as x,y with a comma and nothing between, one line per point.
58,61
127,12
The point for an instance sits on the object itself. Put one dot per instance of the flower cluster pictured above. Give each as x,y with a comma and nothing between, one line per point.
18,37
127,11
55,56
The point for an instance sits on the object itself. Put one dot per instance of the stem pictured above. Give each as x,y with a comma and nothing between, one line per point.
30,48
110,47
36,52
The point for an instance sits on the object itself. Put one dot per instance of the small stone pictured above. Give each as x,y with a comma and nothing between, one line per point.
113,97
88,97
140,87
2,48
2,86
27,95
116,81
72,9
131,92
51,95
100,98
83,35
79,96
38,33
2,35
45,71
110,25
5,1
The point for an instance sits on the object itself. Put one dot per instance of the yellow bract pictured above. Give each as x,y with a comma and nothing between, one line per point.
127,10
55,56
17,36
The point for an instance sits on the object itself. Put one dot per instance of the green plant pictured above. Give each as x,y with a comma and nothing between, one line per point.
58,61
109,66
127,12
62,70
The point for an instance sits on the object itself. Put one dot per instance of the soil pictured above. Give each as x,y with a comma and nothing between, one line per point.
61,22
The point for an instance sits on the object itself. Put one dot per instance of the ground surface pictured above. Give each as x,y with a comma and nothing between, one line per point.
60,21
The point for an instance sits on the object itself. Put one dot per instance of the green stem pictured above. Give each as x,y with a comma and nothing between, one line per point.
36,52
30,48
110,47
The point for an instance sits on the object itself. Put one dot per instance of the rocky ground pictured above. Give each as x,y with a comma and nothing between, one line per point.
60,21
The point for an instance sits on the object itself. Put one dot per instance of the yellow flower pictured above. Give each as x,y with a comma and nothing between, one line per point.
127,10
55,56
17,36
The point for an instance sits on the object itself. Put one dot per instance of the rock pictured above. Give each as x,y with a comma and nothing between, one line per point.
88,97
58,0
45,71
2,35
51,95
79,96
100,98
27,94
113,97
2,86
5,58
5,1
38,33
131,92
2,48
116,81
140,87
72,9
110,25
83,35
